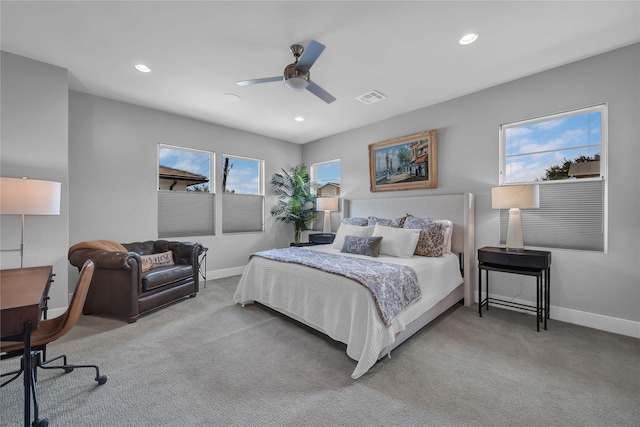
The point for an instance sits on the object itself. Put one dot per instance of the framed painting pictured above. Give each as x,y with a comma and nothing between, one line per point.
406,163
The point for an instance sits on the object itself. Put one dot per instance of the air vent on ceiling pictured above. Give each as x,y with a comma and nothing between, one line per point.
371,97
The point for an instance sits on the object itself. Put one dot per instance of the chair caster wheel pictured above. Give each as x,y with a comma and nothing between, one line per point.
68,370
40,423
101,379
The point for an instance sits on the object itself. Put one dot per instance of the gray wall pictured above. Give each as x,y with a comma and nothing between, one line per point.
34,144
108,151
113,175
593,289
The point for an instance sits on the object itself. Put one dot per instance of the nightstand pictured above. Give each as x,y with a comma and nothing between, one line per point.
525,262
321,238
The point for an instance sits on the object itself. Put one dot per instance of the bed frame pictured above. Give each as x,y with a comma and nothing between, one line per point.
458,208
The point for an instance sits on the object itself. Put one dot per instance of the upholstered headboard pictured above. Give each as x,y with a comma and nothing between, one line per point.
458,208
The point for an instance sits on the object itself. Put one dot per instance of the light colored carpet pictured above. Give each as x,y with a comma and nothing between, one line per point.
206,361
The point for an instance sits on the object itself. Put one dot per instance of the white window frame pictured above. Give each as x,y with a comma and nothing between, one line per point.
186,213
234,205
212,159
533,220
314,168
336,217
602,108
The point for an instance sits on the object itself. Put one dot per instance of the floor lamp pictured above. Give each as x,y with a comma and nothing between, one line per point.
28,197
327,205
514,198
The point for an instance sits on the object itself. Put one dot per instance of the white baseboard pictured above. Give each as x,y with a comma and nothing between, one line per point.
225,272
596,321
576,317
581,318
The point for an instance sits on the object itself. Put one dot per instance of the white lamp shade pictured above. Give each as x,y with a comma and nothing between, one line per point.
327,204
29,197
515,196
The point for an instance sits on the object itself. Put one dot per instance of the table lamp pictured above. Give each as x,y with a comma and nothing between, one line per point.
28,197
514,198
327,204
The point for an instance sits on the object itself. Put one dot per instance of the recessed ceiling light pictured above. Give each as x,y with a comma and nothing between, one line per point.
299,119
143,68
469,38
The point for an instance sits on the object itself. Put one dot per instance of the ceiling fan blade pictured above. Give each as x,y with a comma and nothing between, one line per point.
309,56
320,93
256,81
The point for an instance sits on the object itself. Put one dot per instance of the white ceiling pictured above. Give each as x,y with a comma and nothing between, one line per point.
408,51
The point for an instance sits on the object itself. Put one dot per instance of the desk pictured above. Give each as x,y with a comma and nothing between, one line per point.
525,262
23,293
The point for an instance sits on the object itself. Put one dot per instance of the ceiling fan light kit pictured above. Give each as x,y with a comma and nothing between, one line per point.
296,75
295,79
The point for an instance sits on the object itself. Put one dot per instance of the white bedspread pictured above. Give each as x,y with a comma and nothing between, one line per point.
340,307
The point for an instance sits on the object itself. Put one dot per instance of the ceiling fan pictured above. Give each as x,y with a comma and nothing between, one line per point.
296,75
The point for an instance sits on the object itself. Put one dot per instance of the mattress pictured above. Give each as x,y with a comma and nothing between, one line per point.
340,307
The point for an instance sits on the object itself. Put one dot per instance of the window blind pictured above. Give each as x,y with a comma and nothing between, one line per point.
242,213
185,213
571,216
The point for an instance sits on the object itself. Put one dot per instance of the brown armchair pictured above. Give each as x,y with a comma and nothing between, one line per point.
120,288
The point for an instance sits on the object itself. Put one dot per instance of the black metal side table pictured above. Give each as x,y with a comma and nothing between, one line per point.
202,265
525,262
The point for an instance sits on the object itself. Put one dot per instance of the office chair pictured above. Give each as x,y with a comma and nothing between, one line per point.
50,330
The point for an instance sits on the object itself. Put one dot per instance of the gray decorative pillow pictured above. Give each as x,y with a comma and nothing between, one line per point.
355,221
369,246
398,222
432,233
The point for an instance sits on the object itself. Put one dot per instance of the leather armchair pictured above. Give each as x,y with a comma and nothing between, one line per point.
121,289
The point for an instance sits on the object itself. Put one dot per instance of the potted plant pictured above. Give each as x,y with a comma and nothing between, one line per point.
296,203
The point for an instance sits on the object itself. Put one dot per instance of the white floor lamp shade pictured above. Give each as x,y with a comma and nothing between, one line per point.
22,196
514,198
327,205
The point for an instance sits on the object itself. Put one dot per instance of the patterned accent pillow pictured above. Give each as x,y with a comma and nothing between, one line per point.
420,223
158,260
369,246
432,233
355,221
448,232
397,223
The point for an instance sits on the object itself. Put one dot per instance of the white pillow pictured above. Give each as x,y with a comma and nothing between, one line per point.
350,230
447,236
399,242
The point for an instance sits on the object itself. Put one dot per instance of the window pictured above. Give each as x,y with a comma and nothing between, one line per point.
185,192
565,154
326,178
243,198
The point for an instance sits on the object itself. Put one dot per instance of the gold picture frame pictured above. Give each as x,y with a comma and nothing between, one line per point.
406,163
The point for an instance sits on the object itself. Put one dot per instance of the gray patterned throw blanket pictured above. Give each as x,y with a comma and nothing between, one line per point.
394,287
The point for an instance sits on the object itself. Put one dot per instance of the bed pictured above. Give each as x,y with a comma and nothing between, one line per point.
344,309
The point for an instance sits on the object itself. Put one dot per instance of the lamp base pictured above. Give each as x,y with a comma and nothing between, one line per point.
326,228
514,231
